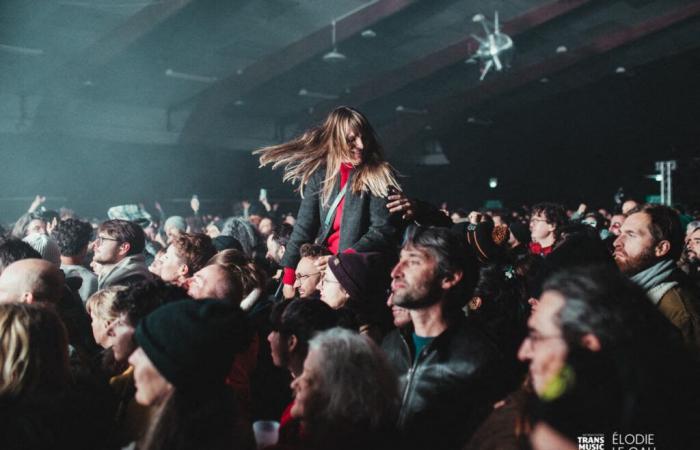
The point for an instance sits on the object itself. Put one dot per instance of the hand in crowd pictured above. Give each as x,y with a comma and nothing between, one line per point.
322,262
194,204
399,203
288,291
38,201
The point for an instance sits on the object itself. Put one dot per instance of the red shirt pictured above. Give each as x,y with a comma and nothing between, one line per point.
333,242
334,238
537,249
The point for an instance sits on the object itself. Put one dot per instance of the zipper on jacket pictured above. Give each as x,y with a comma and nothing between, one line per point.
409,381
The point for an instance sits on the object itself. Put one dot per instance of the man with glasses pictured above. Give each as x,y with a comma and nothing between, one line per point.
307,274
546,221
119,254
602,360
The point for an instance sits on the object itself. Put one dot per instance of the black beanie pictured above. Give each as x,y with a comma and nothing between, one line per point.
192,343
360,274
521,232
223,242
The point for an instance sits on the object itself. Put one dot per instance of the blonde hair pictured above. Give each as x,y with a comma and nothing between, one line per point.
327,145
33,349
100,303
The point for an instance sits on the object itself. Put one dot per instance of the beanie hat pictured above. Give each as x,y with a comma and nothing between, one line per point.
47,247
193,343
224,242
360,274
177,222
132,213
521,232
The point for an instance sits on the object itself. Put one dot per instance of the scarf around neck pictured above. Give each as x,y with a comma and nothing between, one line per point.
652,279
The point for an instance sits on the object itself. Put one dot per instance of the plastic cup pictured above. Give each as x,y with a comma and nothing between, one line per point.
266,432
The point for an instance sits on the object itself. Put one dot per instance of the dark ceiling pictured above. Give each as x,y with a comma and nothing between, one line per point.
227,75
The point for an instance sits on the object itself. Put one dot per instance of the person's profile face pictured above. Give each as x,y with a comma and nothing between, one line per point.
544,347
151,387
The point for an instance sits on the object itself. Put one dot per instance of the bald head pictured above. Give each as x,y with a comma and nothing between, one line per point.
31,280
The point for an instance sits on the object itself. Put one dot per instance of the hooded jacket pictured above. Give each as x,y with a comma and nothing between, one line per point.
127,271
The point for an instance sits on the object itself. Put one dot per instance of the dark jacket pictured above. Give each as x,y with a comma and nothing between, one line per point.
449,388
365,225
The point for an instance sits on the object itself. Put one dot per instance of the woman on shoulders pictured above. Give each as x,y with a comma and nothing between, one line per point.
344,183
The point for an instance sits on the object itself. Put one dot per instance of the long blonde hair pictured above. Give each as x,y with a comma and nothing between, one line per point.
33,349
327,144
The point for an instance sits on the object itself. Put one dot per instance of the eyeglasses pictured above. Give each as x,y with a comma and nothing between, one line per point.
304,277
100,239
532,338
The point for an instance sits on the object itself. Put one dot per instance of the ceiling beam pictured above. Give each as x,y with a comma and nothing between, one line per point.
212,100
440,112
394,80
116,41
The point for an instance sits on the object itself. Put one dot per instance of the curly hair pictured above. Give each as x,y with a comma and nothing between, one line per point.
145,296
72,236
314,251
554,214
195,249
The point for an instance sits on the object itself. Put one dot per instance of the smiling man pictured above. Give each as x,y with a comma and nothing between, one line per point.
449,371
649,245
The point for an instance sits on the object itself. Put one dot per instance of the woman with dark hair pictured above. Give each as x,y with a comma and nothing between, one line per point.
347,396
499,305
344,182
185,351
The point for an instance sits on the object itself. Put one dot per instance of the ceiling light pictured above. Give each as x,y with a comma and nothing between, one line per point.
620,70
562,49
406,110
306,93
368,34
334,55
494,47
189,77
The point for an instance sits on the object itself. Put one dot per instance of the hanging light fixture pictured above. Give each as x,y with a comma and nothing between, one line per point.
494,49
334,55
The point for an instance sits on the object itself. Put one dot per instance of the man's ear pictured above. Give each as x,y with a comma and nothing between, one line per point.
591,342
474,303
28,298
662,248
292,343
451,280
124,248
183,270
